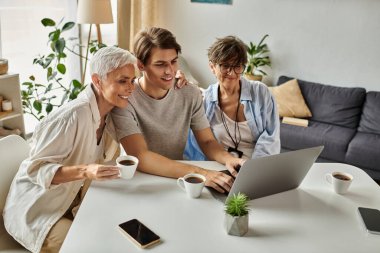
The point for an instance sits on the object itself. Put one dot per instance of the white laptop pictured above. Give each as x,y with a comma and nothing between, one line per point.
264,176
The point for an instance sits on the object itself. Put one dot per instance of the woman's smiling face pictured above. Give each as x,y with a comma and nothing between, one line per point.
118,86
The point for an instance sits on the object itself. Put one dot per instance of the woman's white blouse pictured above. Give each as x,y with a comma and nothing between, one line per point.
66,137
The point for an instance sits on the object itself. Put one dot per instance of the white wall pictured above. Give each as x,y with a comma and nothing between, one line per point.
328,41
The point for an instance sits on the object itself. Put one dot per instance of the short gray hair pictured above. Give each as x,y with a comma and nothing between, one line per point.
107,59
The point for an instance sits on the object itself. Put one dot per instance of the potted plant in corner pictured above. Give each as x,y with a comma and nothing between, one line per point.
257,58
236,217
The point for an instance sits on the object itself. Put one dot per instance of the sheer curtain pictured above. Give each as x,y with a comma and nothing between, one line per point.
23,37
132,16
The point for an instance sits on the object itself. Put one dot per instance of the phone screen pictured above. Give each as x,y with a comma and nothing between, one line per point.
141,235
371,219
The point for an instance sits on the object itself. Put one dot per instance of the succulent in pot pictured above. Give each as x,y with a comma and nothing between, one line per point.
236,214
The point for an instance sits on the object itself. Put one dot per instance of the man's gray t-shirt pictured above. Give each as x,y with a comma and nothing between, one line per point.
164,123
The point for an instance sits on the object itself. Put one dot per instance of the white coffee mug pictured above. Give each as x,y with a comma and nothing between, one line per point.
340,181
192,184
127,165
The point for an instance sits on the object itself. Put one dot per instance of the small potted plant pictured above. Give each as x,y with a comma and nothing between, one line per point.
236,218
257,58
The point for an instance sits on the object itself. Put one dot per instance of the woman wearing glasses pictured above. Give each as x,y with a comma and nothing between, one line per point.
242,113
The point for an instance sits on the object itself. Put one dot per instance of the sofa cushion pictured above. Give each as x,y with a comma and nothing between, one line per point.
289,100
370,120
334,138
363,151
330,104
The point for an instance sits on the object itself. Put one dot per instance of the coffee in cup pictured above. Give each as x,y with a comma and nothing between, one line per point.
127,165
127,162
192,184
194,180
340,181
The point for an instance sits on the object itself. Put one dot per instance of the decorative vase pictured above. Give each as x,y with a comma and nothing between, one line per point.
236,225
253,77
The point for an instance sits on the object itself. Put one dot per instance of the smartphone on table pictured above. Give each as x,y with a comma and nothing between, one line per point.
371,219
140,234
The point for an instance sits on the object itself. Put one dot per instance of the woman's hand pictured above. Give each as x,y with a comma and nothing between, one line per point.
92,171
233,165
101,172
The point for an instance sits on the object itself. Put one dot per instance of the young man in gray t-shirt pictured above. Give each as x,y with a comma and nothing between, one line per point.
155,125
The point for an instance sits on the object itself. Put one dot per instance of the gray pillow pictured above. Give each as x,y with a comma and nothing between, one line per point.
370,121
331,104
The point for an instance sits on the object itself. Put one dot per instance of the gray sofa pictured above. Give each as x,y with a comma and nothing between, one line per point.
345,120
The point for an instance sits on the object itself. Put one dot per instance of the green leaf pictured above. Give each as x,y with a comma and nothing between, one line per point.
32,78
24,94
73,96
261,41
47,61
27,83
49,73
61,68
68,26
49,108
60,45
52,76
54,35
262,72
77,84
37,105
48,88
47,22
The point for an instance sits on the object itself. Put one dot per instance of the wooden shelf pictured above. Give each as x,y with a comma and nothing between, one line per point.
10,89
8,115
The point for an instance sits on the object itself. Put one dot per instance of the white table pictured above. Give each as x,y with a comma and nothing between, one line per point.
311,218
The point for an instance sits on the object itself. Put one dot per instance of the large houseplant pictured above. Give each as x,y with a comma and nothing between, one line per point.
39,97
236,214
257,58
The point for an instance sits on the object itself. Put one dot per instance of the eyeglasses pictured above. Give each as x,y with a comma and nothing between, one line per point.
225,68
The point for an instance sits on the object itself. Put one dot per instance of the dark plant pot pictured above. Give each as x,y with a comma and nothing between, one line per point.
236,225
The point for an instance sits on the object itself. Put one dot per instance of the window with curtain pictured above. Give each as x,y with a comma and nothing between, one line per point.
23,37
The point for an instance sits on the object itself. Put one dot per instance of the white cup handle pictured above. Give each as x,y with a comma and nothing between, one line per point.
328,178
181,183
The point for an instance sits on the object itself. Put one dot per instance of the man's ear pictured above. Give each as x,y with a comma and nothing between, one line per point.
212,67
96,81
140,65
